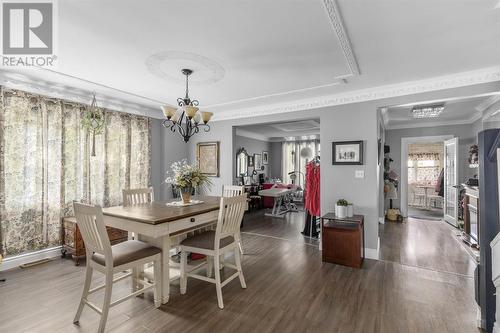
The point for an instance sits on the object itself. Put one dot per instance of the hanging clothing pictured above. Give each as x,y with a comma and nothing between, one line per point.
440,184
312,200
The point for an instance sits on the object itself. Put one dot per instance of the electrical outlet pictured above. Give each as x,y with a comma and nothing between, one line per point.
359,174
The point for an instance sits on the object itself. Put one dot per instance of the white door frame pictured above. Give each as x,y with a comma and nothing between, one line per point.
403,184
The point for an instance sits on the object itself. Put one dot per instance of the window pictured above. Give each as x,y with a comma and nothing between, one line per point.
423,169
292,161
45,164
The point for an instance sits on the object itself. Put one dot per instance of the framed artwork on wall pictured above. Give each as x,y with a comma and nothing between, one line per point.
250,161
347,152
257,160
207,154
265,158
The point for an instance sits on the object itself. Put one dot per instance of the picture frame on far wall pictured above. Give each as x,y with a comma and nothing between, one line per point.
257,160
347,153
207,155
265,158
250,161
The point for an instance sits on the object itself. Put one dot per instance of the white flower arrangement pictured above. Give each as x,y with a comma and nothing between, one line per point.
187,176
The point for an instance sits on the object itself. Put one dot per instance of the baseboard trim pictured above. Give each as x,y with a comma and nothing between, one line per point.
373,253
13,262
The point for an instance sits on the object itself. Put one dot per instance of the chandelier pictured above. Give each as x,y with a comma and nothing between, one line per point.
186,119
427,111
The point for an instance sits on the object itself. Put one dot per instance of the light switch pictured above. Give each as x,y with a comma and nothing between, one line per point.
359,174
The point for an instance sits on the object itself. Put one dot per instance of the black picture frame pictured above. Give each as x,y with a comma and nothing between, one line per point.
337,160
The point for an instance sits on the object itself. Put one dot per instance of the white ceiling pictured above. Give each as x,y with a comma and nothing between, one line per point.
252,54
281,130
464,110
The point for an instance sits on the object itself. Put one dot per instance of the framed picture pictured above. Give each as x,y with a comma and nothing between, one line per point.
347,152
257,161
265,158
207,154
250,161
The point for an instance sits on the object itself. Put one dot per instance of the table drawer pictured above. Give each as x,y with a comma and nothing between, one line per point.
180,226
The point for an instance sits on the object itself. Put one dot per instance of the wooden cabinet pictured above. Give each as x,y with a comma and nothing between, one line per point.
343,240
73,241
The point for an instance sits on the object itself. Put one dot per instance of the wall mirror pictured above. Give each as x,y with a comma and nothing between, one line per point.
241,162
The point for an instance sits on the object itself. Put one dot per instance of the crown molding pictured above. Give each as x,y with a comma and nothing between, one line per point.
485,75
106,97
335,17
468,121
483,106
251,135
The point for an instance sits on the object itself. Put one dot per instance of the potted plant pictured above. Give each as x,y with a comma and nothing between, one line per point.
341,208
187,177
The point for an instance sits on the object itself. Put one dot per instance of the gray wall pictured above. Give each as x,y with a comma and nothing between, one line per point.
356,121
276,161
466,137
252,146
166,148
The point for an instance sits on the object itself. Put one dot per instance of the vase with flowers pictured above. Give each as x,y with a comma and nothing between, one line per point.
186,178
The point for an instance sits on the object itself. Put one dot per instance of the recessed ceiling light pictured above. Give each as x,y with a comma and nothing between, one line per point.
427,111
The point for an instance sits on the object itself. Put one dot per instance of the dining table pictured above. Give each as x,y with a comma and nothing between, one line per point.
159,224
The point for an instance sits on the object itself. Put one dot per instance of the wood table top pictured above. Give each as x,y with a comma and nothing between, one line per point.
158,212
356,218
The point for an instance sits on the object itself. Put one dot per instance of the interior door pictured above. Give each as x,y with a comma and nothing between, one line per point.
450,181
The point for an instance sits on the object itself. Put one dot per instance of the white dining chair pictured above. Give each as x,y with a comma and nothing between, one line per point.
417,196
215,243
234,191
138,196
110,260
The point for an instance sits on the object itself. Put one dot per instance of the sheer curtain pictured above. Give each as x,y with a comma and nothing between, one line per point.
45,164
292,161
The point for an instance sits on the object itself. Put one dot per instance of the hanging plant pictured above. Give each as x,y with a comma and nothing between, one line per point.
93,121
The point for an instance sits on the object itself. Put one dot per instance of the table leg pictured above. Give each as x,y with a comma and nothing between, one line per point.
165,246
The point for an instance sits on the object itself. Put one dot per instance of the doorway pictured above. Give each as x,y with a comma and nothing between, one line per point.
425,180
422,160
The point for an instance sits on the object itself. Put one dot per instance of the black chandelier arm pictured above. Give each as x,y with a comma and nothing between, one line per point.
180,102
195,102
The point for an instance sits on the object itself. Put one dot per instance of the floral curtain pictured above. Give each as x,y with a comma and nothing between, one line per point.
45,165
423,168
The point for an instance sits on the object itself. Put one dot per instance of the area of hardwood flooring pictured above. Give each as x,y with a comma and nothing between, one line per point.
423,243
289,290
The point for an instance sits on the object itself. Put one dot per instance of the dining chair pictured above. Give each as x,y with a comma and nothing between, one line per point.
417,194
215,243
137,196
234,191
110,260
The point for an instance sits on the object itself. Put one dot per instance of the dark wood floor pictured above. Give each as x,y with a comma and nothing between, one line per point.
289,290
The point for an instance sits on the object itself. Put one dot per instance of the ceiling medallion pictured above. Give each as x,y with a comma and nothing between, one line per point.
212,71
427,111
186,119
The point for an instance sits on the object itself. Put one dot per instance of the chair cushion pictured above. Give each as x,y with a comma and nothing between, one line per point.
206,240
127,251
